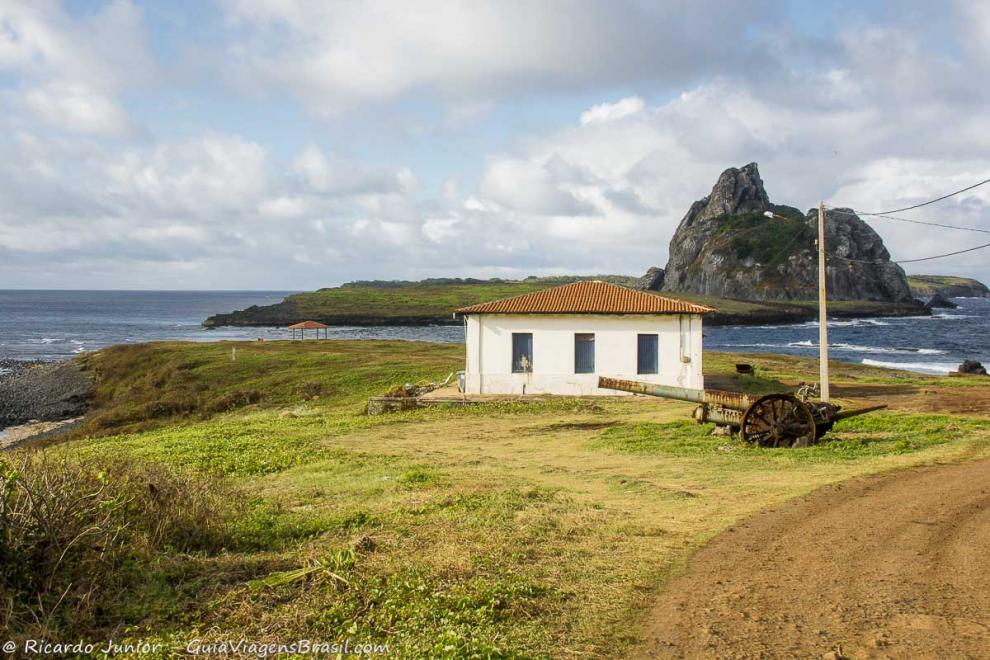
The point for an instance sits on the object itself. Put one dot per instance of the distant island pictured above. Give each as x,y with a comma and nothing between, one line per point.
735,250
947,286
432,302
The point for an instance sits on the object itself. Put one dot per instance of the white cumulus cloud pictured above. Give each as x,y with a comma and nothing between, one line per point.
612,111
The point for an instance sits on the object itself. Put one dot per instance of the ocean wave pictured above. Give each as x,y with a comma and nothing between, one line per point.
937,368
856,348
850,323
898,350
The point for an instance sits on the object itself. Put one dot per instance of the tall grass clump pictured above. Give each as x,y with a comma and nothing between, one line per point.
77,533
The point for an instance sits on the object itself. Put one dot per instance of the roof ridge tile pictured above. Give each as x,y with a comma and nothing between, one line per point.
587,297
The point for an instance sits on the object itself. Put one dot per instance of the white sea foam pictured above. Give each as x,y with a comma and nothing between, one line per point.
937,368
856,348
851,323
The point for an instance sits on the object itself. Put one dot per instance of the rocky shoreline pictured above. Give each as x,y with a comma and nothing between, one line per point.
42,394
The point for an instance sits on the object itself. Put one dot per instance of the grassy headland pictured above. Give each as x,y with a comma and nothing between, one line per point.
432,302
950,286
513,528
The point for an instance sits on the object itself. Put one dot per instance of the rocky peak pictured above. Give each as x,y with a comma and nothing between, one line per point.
726,247
737,190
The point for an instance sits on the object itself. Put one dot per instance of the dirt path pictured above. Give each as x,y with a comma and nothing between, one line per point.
892,566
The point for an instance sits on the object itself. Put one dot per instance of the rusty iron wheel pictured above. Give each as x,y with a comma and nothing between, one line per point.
778,420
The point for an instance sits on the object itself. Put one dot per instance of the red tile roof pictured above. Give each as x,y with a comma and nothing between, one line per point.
308,325
587,297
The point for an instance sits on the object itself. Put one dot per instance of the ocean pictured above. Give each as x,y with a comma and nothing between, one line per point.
50,325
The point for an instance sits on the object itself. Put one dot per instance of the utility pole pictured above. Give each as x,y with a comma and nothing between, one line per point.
822,312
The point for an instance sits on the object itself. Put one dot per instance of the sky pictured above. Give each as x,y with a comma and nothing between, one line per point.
296,144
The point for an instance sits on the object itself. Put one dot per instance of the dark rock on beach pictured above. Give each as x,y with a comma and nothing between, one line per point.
49,391
972,367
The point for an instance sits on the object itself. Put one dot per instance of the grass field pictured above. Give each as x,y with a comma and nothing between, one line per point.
505,529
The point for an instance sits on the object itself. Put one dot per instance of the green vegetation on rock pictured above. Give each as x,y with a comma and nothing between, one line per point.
768,241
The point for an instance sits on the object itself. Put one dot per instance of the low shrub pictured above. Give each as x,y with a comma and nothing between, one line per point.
232,401
76,533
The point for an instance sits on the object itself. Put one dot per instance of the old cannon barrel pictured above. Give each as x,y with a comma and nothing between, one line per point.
846,414
732,400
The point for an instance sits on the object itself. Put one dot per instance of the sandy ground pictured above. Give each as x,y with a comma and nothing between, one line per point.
893,566
16,435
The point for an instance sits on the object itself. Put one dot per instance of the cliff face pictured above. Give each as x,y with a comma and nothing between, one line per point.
726,247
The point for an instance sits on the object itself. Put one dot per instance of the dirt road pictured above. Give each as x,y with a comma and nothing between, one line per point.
892,566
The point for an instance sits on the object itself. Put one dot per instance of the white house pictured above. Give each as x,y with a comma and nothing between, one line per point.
560,340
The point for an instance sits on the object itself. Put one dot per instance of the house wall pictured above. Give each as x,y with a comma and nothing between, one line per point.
489,352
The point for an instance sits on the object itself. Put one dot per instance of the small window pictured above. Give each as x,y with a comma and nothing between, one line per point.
522,352
584,353
647,356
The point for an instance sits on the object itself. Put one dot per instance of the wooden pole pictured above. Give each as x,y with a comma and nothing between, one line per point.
822,311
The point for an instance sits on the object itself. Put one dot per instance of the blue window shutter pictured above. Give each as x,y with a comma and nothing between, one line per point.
647,354
584,353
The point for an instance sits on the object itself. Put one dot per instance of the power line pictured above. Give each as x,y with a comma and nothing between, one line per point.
914,222
948,254
911,261
931,201
931,224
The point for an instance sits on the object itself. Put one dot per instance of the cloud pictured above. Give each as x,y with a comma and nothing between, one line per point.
974,22
76,107
613,111
212,210
873,116
329,174
72,73
547,186
335,56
